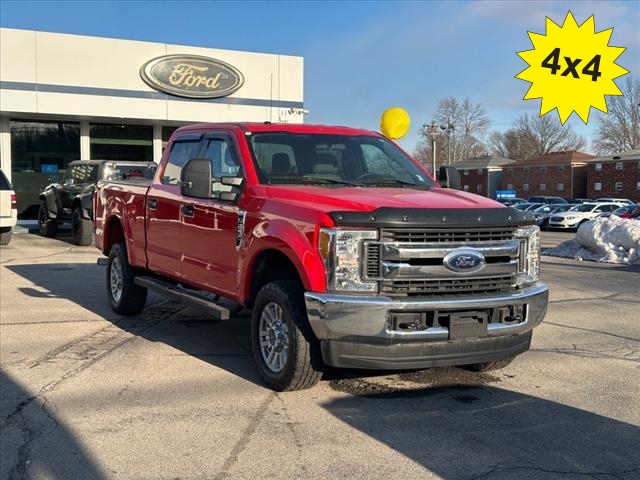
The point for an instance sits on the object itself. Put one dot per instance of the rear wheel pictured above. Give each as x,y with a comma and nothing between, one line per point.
285,350
47,226
125,297
5,235
80,228
487,366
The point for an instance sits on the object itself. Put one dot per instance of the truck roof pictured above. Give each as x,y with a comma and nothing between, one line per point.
281,127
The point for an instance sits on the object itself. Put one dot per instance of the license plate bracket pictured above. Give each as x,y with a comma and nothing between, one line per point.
468,325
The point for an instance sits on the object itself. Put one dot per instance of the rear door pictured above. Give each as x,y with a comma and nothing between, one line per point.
77,177
163,204
209,225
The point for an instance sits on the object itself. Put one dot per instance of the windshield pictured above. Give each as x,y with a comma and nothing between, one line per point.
284,158
584,207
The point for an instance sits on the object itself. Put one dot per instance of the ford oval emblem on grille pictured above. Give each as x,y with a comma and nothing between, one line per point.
463,260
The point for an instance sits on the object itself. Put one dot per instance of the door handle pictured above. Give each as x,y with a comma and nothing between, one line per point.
187,210
152,203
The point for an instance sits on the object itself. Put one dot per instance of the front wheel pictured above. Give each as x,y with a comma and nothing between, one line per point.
125,297
48,227
285,350
80,228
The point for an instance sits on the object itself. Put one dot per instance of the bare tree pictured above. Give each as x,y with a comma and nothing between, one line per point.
619,131
461,126
532,136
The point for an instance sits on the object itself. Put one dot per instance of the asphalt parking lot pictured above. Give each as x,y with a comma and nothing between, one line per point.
171,394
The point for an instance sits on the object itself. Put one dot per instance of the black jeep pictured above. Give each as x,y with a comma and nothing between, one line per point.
72,200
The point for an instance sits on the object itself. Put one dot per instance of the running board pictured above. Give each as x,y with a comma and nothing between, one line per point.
180,294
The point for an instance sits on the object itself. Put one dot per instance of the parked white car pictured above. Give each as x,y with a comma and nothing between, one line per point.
572,219
8,210
622,201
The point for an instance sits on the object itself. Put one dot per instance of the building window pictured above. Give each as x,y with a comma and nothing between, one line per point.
121,142
479,188
465,188
561,187
525,169
480,171
39,151
510,169
618,186
509,186
619,166
598,167
543,187
166,135
465,172
560,168
543,169
525,187
597,186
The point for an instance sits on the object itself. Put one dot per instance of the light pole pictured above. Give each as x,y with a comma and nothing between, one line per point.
433,130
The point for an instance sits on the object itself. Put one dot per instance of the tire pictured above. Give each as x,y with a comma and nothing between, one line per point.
487,366
284,347
81,229
5,235
48,227
125,297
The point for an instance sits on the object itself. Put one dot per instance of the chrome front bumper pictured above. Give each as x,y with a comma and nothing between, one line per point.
354,330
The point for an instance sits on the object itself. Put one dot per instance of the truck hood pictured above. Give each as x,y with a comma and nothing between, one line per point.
366,199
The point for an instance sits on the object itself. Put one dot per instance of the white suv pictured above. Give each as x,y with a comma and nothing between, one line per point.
8,209
572,219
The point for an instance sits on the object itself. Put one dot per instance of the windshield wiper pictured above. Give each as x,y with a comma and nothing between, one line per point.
385,181
310,179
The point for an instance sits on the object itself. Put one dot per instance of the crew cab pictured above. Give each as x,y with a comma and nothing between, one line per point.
348,252
72,200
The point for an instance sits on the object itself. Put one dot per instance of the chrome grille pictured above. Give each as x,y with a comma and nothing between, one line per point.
409,262
451,235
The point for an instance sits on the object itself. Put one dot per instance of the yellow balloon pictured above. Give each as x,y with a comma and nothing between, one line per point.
395,123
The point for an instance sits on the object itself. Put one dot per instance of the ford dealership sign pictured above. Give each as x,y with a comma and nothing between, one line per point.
191,76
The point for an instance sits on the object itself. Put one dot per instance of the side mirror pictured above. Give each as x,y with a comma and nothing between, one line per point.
449,177
195,178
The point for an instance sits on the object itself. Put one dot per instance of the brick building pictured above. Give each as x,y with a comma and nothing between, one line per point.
482,175
617,176
558,174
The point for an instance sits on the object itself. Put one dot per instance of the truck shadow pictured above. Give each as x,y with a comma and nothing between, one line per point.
473,431
35,442
224,344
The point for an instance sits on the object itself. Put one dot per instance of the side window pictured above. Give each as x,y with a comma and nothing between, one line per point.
180,153
81,174
224,162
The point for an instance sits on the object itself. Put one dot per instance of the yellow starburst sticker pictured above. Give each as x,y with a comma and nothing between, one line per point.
571,68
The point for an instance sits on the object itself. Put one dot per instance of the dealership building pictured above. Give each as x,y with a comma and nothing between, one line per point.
68,97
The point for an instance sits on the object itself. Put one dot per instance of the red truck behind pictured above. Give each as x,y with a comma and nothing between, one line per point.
347,251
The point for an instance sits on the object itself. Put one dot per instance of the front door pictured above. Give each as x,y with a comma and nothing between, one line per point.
163,209
209,225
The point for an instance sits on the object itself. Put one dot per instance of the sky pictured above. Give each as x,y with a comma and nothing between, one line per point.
361,57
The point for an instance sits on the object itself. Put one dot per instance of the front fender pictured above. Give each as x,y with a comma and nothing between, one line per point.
290,241
49,199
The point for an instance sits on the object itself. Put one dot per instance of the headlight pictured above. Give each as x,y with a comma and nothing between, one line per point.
529,255
341,252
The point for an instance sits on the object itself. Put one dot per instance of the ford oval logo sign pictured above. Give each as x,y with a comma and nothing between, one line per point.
191,76
464,260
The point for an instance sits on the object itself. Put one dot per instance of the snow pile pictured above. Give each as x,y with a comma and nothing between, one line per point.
610,239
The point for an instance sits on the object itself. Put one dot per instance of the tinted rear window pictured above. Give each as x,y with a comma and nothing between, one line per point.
4,182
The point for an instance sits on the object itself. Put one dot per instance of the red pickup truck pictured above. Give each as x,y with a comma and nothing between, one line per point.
345,248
